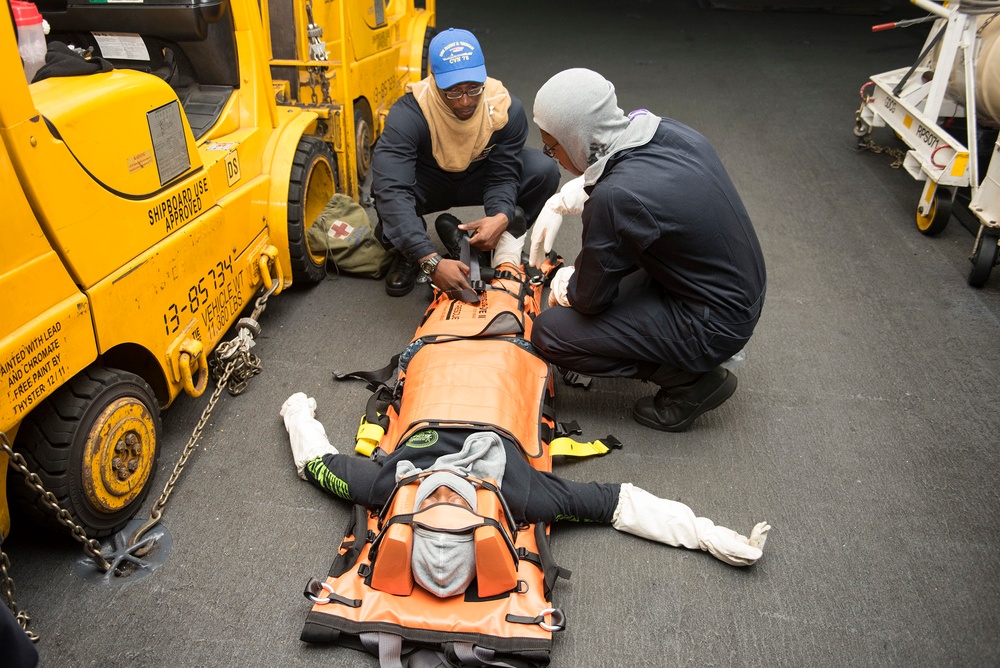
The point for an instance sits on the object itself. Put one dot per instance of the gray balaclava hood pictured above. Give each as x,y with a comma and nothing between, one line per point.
445,563
579,108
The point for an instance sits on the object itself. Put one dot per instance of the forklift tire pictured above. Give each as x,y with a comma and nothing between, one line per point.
363,137
984,257
937,218
94,445
429,33
312,182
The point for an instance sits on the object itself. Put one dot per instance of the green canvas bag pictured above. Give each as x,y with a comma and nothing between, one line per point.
344,232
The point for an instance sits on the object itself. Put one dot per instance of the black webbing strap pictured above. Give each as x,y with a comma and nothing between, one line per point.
471,260
387,647
550,568
317,592
524,554
358,527
377,377
372,413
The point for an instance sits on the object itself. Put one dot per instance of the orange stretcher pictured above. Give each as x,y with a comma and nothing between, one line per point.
469,366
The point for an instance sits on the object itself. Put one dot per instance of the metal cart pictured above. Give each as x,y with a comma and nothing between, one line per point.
913,101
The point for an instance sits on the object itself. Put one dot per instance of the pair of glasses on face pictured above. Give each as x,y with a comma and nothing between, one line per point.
549,150
474,91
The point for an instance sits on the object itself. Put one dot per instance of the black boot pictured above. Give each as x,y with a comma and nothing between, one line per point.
402,275
675,411
447,230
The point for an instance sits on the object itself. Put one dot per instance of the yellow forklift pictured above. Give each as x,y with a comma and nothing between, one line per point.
153,188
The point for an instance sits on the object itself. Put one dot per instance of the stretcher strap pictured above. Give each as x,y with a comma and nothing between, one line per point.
386,646
473,655
567,447
377,377
358,527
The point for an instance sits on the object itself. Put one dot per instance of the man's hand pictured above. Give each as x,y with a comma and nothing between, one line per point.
451,275
486,231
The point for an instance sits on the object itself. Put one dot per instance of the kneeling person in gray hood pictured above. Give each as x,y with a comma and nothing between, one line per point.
670,279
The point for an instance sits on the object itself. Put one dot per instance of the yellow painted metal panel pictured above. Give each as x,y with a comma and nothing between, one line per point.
192,284
46,335
152,142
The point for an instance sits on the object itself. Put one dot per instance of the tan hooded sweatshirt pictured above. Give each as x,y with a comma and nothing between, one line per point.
456,143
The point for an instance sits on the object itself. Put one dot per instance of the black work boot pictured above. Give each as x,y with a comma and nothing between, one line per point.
446,226
673,410
401,277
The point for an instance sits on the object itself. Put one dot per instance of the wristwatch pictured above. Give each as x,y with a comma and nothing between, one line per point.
430,264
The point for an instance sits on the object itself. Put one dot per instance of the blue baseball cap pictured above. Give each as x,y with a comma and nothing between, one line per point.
456,57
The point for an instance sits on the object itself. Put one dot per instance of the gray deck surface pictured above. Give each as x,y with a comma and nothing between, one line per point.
865,427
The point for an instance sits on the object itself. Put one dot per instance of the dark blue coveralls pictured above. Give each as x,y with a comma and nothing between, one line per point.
670,280
407,182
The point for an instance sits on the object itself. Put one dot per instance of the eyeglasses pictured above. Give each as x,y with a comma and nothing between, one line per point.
474,91
549,150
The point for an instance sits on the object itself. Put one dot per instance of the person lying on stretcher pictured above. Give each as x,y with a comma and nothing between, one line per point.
444,563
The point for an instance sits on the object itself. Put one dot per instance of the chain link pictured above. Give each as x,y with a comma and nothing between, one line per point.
241,363
90,545
865,141
317,52
7,592
979,31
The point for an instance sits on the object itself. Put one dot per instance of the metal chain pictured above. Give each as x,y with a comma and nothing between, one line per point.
317,52
865,141
7,592
90,545
157,511
979,31
241,344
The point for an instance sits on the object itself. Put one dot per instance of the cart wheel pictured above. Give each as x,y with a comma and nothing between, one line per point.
937,218
984,256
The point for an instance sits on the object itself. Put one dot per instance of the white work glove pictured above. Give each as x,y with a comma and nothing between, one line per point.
559,286
307,435
569,200
642,514
508,249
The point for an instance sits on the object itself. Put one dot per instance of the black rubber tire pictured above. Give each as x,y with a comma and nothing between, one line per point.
311,184
984,257
936,220
429,33
54,440
363,138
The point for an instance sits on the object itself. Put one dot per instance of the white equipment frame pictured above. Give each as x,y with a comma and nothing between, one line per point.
913,102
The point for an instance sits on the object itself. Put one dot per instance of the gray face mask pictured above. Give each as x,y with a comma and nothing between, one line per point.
443,563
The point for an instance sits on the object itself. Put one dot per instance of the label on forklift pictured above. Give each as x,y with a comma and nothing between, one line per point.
220,146
137,162
121,45
215,298
169,146
180,207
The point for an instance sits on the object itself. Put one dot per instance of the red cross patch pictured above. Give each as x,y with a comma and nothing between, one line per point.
339,229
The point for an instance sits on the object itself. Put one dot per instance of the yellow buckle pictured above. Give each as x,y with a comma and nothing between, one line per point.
368,438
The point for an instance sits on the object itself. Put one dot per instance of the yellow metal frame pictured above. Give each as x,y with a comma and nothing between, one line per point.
109,262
